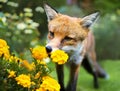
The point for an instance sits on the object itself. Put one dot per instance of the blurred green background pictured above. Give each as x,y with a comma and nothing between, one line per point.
23,23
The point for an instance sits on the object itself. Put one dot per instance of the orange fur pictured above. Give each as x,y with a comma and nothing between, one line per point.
64,25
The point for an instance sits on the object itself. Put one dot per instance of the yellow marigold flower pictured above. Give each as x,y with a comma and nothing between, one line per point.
4,49
5,52
59,56
3,43
49,84
24,80
39,52
27,65
11,74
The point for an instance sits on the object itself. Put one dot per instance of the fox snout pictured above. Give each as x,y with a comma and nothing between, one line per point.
48,49
53,45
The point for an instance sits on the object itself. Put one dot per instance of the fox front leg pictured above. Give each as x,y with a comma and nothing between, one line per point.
74,69
60,75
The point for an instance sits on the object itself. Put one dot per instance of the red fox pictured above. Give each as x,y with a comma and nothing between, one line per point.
73,35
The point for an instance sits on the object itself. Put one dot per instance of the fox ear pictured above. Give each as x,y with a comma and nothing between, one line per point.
87,21
50,12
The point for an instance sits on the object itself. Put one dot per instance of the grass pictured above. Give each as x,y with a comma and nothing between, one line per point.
85,80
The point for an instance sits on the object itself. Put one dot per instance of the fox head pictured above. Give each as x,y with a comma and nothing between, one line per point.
65,32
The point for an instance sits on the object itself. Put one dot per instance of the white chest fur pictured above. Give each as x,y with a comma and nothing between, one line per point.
75,53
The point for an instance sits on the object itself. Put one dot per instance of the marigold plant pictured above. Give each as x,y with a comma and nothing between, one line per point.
19,74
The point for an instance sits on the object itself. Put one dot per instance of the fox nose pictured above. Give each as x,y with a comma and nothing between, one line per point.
48,49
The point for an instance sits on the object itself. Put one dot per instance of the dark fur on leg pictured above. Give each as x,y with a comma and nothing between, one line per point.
74,70
95,77
60,74
90,70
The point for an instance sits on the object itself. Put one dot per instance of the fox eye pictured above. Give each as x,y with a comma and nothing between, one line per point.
68,38
51,34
